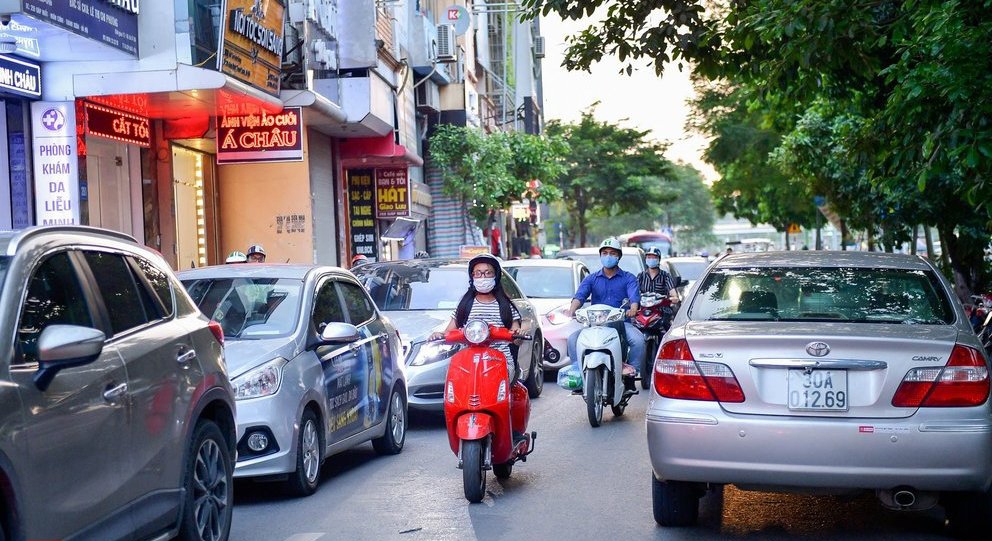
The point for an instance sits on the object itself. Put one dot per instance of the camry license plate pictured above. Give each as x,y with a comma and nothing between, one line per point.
818,390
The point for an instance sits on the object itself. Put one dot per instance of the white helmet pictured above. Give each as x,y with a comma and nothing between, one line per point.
611,242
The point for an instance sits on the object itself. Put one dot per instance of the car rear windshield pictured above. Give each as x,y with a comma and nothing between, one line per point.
395,288
868,295
544,282
249,308
4,265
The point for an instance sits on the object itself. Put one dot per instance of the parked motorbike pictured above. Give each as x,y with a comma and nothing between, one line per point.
486,410
654,317
601,357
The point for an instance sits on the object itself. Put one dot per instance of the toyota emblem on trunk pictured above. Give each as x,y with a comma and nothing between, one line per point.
817,349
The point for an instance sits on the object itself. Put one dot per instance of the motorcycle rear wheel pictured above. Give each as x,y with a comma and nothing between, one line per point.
473,476
647,363
594,398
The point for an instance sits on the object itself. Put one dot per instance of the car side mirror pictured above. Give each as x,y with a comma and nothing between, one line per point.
336,333
65,346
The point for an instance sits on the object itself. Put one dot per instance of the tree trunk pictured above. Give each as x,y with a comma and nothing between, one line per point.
928,238
843,235
787,247
916,235
965,253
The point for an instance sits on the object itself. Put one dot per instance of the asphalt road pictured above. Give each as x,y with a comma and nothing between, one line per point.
580,483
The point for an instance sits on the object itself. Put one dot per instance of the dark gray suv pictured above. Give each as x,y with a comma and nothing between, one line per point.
116,413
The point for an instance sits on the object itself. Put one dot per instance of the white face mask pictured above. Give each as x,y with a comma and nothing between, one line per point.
484,285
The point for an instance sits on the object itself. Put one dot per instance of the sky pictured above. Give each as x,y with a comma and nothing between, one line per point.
645,100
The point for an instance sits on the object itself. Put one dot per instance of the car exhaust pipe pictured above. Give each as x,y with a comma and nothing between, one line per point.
906,498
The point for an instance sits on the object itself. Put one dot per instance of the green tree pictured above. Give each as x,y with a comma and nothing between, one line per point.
492,171
904,85
691,214
741,137
610,170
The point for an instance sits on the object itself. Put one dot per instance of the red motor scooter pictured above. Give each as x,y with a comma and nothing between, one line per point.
653,319
485,409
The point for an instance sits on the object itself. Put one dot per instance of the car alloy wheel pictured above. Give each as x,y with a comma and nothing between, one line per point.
310,447
391,442
209,486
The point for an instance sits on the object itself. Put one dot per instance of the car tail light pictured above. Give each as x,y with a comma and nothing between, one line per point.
678,375
217,330
963,381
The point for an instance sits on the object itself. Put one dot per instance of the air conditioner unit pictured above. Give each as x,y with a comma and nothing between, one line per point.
447,46
428,97
539,47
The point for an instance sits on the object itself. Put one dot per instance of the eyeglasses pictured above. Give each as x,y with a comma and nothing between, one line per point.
483,274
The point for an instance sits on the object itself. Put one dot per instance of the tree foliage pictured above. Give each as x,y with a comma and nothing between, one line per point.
882,106
492,171
610,170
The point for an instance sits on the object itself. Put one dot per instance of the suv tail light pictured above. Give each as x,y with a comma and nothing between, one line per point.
217,330
963,381
678,375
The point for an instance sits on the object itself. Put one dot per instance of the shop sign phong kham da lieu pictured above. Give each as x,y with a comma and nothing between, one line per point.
260,137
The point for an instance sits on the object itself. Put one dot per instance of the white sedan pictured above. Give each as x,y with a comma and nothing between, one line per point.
550,285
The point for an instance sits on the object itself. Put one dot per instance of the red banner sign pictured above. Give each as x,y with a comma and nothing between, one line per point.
261,137
117,125
392,193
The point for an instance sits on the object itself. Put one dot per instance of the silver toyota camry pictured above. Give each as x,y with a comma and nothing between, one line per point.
823,371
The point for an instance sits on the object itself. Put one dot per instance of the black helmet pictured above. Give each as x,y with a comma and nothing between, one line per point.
655,251
486,258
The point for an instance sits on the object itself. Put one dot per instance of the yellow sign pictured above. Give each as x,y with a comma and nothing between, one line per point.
251,42
794,229
467,251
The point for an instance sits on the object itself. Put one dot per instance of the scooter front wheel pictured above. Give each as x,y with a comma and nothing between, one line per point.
594,396
473,476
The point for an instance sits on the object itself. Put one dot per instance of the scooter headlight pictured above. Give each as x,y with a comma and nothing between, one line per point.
598,317
476,331
501,393
451,393
617,316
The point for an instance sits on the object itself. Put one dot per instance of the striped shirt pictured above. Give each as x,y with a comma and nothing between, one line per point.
489,312
660,284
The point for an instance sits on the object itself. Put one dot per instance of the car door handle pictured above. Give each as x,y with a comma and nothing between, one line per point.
113,394
186,356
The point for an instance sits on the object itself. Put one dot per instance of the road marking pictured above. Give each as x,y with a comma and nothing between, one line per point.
305,537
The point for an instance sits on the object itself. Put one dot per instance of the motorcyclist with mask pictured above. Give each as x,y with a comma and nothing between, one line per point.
610,285
654,279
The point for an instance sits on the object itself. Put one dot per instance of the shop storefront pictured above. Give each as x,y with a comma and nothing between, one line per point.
378,188
20,82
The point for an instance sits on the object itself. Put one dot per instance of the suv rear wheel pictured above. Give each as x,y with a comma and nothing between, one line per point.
675,503
209,484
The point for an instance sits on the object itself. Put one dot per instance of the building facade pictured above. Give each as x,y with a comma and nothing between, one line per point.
236,123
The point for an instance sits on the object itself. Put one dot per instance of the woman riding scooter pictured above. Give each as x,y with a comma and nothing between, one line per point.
486,300
486,430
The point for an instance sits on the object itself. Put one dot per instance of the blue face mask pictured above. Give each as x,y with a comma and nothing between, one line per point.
652,262
609,261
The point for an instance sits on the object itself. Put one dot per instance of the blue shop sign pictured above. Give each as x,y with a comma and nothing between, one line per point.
20,77
111,22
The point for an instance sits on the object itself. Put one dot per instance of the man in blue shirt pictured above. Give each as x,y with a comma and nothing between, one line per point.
611,285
